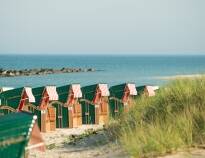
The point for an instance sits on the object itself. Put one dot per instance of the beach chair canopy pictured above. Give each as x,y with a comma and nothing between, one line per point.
104,90
41,92
52,93
132,88
76,89
16,132
30,95
89,92
149,90
118,91
14,97
64,92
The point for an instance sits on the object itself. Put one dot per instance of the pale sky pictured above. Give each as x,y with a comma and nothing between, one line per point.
102,26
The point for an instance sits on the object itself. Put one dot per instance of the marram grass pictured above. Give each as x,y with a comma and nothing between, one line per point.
173,119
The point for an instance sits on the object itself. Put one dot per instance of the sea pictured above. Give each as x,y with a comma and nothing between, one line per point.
111,69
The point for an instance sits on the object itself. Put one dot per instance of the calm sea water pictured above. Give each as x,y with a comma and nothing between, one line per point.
113,69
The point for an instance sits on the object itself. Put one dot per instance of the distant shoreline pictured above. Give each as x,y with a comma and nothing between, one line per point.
179,76
41,71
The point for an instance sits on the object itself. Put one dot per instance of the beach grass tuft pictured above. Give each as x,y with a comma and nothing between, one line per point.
172,120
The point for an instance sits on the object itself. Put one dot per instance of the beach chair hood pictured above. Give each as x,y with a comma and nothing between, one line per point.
76,90
52,93
150,91
132,88
104,90
29,94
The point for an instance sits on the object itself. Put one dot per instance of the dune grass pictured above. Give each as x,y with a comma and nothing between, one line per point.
173,119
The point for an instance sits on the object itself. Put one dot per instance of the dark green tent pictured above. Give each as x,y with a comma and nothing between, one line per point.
67,106
121,97
16,99
94,105
16,132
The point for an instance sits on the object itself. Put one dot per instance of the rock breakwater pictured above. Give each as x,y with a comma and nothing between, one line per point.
41,71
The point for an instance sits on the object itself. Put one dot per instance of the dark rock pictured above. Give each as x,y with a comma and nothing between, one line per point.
41,71
1,70
4,72
17,73
8,72
11,74
63,69
90,69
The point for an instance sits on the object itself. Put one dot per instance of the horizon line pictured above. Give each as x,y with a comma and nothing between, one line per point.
105,54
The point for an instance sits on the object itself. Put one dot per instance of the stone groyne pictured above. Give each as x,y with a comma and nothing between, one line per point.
41,71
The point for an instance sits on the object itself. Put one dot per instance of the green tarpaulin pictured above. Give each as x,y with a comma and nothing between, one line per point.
15,134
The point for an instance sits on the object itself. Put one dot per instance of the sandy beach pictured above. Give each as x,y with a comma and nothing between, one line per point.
60,145
192,153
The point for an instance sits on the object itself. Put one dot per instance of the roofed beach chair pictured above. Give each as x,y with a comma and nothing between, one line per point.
121,98
43,109
68,107
95,107
15,100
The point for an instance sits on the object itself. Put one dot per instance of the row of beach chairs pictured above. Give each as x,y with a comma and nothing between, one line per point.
71,105
26,111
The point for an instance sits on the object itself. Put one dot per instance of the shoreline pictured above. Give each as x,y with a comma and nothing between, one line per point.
179,76
41,71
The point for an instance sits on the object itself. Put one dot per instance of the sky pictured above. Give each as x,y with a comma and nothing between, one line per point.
102,26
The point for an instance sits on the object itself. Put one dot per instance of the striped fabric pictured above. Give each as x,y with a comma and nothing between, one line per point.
29,93
52,93
104,90
150,90
132,88
77,91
